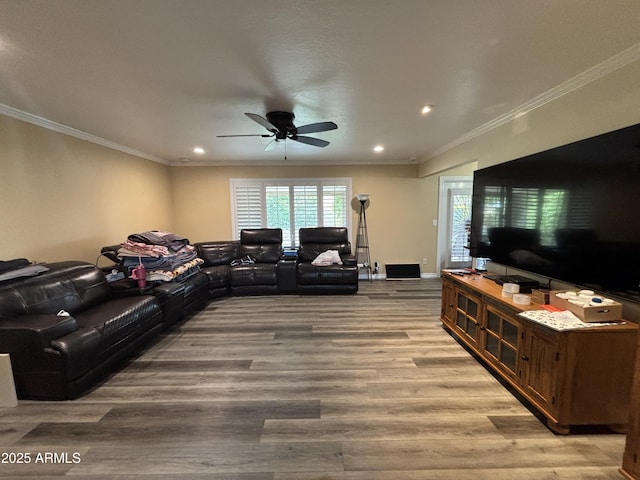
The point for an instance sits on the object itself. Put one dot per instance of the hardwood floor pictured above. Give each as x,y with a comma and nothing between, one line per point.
358,387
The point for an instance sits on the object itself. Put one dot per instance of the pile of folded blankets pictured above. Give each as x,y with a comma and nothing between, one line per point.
165,255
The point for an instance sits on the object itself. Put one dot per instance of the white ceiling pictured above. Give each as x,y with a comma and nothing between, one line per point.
161,76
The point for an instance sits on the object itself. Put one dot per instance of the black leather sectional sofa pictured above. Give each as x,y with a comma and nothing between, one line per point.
67,327
272,272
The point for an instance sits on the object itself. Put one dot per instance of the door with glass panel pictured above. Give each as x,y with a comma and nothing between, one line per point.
458,224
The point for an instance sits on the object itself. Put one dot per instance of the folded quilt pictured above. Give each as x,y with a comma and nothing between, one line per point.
135,249
178,274
165,262
170,240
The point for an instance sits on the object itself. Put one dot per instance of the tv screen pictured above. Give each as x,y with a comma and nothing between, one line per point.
571,213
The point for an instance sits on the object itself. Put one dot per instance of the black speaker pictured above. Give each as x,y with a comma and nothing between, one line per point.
398,271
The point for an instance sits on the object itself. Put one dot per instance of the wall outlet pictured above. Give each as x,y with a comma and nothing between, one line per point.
425,260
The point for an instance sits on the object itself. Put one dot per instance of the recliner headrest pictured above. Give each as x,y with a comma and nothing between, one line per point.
330,235
261,236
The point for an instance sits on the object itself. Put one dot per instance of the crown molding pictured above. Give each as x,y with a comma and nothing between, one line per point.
60,128
622,59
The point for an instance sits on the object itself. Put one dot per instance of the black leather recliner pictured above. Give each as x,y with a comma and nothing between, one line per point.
262,246
313,279
217,258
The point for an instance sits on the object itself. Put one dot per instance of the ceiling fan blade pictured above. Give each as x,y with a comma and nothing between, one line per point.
317,127
256,135
316,142
271,145
262,121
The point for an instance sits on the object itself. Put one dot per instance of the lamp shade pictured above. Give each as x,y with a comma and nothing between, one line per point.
362,197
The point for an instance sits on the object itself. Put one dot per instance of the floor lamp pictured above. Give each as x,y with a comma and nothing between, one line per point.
362,239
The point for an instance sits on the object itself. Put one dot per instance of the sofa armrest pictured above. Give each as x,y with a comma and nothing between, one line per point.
80,351
349,260
129,288
27,332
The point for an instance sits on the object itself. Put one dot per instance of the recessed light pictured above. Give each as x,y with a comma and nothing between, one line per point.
198,150
378,148
426,109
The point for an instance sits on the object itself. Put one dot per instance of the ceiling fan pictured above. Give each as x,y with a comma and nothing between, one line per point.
281,126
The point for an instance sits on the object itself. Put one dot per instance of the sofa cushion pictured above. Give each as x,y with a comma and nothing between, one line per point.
71,286
263,245
218,253
218,275
120,317
314,241
308,274
254,274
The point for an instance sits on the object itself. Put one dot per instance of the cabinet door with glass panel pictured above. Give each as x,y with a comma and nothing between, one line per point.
501,335
467,315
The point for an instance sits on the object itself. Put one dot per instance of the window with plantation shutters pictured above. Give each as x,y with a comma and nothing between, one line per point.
290,204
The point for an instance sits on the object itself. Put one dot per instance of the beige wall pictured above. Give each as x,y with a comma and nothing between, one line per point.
399,218
63,198
607,104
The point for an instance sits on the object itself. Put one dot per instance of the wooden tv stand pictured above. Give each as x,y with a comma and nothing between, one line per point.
573,377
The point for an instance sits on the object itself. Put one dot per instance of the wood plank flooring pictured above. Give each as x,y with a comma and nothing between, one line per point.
357,387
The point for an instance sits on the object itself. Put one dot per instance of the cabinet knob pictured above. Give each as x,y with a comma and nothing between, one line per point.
525,358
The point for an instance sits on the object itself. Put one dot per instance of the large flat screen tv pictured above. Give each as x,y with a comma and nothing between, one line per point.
571,213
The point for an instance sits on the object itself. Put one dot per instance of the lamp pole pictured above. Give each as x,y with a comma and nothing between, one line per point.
362,239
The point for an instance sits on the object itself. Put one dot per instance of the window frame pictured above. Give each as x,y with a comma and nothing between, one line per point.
263,183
